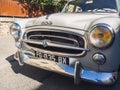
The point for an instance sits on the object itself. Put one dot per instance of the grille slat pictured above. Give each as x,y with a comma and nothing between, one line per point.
56,41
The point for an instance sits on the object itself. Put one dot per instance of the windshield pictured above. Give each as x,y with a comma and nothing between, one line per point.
101,6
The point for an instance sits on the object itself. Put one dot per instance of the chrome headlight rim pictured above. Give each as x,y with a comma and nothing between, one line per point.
15,31
111,30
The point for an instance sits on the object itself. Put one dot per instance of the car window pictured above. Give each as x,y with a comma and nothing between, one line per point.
91,6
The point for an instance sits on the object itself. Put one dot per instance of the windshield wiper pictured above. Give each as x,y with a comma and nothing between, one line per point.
108,10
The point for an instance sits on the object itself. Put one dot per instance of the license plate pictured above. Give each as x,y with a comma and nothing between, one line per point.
59,59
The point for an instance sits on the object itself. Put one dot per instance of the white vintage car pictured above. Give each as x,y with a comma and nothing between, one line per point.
83,41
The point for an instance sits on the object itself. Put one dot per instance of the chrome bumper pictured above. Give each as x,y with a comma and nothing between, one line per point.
79,73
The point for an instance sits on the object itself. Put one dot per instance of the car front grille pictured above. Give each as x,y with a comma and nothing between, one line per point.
56,41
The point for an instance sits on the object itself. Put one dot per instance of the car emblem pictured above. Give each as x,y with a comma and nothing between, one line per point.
44,43
46,23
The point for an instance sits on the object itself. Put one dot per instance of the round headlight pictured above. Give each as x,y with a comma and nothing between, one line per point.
15,30
101,35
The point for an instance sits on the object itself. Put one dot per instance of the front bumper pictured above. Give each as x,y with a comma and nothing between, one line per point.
78,72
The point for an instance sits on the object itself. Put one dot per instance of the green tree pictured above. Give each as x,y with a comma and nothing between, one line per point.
60,5
47,6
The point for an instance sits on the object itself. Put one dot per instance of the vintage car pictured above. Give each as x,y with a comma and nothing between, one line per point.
82,41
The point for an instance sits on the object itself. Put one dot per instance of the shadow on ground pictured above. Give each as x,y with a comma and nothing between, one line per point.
28,70
53,81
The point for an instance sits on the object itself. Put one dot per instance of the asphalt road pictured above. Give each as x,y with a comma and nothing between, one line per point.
14,77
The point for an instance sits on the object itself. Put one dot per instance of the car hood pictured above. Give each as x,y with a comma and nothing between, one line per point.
71,20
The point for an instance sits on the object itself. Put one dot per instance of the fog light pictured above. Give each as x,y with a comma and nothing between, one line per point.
99,59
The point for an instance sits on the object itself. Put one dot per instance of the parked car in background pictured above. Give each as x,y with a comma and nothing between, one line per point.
83,41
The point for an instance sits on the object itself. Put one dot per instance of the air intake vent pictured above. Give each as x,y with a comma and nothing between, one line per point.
61,42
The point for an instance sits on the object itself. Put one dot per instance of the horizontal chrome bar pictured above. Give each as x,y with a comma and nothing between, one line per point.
70,39
74,42
55,45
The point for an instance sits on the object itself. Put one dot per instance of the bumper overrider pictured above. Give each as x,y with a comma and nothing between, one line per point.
78,72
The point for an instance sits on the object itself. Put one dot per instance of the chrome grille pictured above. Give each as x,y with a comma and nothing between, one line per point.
60,42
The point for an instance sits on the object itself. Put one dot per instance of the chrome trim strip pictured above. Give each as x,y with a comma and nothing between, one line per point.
70,39
55,45
54,53
53,28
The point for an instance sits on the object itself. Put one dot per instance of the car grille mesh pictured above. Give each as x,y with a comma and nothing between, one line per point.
57,41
